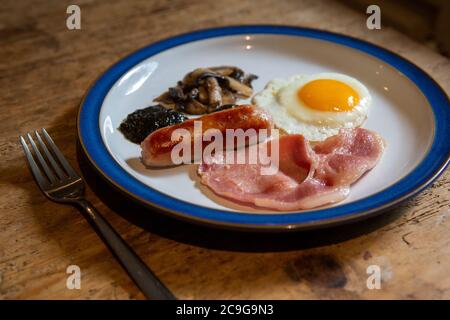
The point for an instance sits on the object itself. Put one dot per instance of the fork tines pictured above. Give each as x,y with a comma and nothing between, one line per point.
56,171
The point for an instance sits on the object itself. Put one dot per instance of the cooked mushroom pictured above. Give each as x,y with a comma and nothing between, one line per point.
165,100
206,75
239,88
214,92
248,79
193,94
177,94
191,78
228,97
231,71
206,90
195,107
238,74
202,94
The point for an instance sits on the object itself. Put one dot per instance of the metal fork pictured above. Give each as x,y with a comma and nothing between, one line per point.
59,182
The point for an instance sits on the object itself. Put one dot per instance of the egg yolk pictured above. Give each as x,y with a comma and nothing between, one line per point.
328,95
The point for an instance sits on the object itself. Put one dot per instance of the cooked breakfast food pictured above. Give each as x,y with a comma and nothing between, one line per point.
207,90
157,147
316,106
322,152
139,124
308,176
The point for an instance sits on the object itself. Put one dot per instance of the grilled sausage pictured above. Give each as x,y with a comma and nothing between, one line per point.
157,147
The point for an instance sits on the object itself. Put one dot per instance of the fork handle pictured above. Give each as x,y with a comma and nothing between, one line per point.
144,278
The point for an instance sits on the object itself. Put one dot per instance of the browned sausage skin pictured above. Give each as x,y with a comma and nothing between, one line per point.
157,147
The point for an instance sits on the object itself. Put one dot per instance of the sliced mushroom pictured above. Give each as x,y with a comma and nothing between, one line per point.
239,88
191,78
238,74
228,97
214,92
208,90
249,79
227,71
208,74
193,93
165,100
177,94
195,107
203,94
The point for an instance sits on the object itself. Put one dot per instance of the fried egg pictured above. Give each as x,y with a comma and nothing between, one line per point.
316,106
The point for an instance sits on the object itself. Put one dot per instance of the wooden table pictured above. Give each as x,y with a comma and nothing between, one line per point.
44,71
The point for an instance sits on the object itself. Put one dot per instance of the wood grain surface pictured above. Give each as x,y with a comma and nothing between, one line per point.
44,71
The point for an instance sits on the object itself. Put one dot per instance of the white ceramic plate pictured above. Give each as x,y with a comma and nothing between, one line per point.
409,111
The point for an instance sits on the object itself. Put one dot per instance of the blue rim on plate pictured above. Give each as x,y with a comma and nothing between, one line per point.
427,171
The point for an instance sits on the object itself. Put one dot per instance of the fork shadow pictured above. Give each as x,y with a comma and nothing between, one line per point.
156,222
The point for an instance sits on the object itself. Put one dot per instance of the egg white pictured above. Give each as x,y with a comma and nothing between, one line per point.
279,98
